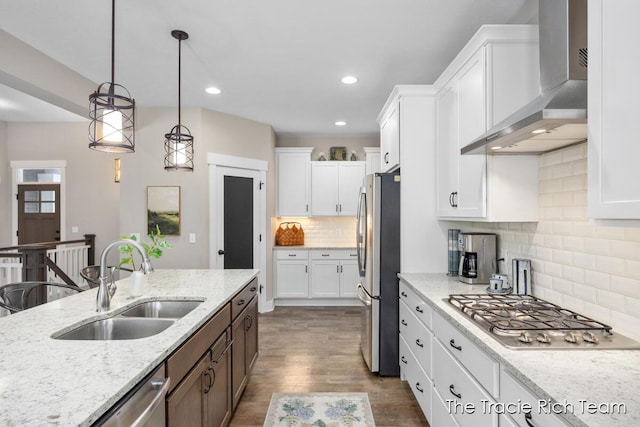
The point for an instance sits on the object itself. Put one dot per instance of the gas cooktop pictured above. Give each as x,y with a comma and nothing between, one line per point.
527,322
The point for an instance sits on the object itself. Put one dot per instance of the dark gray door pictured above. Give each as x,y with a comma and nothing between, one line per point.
238,222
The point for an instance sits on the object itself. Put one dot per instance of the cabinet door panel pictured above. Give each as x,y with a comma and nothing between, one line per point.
349,278
251,335
219,403
293,184
292,279
471,198
351,177
324,189
390,140
447,159
325,279
187,405
238,354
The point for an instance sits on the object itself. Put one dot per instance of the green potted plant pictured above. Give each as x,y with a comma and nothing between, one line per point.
153,250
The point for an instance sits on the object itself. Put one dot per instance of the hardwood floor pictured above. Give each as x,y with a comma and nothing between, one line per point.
317,349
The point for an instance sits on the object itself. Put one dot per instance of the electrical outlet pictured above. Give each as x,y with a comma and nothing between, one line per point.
192,237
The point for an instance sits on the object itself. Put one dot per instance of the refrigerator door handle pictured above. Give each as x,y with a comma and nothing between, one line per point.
361,244
362,291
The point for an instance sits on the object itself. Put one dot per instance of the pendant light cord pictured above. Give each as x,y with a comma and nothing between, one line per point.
113,45
179,81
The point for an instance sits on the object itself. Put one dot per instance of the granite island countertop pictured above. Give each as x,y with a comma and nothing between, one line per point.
49,382
602,377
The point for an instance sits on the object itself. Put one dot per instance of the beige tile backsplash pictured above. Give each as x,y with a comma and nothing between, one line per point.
583,265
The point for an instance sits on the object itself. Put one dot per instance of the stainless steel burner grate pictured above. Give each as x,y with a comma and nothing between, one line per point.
527,322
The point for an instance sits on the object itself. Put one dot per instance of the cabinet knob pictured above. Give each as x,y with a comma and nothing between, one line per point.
452,389
452,343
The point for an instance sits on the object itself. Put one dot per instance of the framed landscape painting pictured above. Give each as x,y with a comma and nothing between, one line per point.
163,210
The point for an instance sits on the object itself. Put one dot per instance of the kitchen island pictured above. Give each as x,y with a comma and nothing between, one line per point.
583,387
45,381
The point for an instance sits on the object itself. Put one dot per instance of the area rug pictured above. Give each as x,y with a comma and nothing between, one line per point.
319,410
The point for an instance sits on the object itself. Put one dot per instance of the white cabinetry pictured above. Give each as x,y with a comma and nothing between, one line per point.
335,187
334,273
420,231
416,339
372,157
390,139
292,273
614,89
315,276
495,74
293,169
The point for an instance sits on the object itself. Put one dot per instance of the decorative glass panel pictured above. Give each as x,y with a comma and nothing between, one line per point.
40,175
48,196
48,207
31,207
31,196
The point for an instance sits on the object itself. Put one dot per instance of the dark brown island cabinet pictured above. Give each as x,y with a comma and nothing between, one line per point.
209,371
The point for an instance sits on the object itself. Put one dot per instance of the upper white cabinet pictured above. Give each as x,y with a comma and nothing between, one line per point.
372,157
420,231
335,187
496,73
390,138
293,169
613,86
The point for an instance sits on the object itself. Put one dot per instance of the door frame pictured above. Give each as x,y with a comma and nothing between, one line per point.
216,161
16,165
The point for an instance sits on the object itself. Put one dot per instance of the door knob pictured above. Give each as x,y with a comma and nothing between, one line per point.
220,252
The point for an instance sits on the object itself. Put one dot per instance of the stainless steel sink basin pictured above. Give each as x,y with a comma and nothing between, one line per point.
118,328
173,309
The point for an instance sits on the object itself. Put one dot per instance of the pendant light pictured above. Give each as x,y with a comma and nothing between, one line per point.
178,144
112,110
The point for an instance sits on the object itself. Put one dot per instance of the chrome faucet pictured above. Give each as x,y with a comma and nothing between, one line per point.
107,287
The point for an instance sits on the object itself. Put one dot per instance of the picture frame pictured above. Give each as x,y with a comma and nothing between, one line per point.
338,153
163,209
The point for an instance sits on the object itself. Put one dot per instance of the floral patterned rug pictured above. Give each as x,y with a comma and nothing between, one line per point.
319,410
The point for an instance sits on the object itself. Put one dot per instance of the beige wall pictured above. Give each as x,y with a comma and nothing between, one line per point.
323,144
5,189
213,132
92,195
590,267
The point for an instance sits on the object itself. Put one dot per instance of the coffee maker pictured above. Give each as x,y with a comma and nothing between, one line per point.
478,257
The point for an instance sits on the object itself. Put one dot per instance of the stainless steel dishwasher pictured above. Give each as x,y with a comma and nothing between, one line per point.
141,407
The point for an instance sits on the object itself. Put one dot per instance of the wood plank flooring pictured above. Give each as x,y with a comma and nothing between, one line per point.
317,349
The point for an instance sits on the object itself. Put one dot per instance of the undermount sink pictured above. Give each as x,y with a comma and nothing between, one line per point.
138,321
118,328
173,309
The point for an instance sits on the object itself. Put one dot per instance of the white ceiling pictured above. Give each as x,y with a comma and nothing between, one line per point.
277,61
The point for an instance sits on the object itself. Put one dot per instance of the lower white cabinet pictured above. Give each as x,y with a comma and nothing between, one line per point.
420,383
513,391
292,273
316,274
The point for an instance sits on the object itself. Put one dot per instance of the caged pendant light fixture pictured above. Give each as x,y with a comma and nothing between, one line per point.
112,110
178,144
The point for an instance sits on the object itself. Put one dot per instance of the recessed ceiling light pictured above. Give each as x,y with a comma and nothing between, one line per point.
349,80
496,148
539,131
340,123
213,91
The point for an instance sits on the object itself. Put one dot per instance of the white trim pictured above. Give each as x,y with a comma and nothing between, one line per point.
15,180
261,166
317,302
268,306
237,162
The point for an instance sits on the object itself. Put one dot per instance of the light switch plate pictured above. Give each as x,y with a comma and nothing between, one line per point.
192,237
74,229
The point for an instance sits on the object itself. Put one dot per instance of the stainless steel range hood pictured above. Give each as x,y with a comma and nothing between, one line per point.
558,117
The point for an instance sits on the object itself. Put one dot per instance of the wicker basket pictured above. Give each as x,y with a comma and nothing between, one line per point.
289,234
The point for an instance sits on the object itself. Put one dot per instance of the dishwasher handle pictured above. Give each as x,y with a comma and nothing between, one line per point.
162,385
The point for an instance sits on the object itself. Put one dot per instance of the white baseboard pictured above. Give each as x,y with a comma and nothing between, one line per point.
324,302
267,307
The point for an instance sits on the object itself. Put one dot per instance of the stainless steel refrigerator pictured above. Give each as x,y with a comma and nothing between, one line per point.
378,247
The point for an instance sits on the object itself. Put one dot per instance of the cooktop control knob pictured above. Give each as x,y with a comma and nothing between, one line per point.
543,338
572,337
525,337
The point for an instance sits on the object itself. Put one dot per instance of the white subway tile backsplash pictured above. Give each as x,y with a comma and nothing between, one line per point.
591,267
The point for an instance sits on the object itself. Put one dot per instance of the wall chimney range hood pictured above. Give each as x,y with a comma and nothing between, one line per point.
558,116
